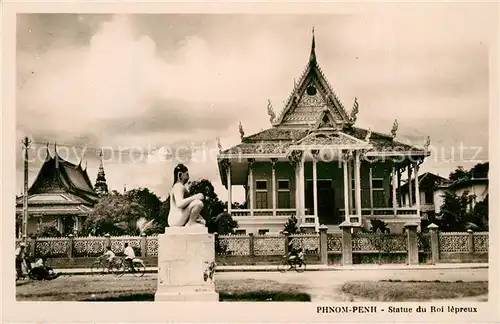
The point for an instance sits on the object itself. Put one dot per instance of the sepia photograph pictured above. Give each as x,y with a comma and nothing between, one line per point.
340,160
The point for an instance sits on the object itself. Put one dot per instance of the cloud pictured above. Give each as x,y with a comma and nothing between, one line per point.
175,81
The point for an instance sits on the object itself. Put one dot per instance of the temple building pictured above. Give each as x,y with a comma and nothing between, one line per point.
101,186
316,164
61,195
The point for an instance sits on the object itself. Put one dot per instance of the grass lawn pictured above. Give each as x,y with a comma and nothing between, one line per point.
110,288
394,290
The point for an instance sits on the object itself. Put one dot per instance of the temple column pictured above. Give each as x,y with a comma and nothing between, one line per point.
315,189
410,190
250,176
60,224
349,185
75,224
400,203
357,183
417,191
371,189
297,185
273,161
302,186
229,188
346,188
394,198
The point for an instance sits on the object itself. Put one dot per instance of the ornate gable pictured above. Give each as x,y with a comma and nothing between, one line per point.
310,98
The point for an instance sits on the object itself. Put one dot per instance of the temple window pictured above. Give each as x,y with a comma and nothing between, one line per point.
261,194
378,193
284,194
263,231
429,197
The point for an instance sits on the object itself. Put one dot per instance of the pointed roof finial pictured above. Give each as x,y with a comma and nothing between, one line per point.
427,143
394,128
219,145
270,111
354,111
242,132
312,57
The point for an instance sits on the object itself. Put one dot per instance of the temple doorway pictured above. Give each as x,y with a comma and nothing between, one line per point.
327,211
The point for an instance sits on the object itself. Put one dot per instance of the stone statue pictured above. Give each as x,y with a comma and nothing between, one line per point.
184,211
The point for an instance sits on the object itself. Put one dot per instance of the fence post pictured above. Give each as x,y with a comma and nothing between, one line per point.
433,229
323,245
107,241
143,245
70,245
346,227
412,242
250,242
471,240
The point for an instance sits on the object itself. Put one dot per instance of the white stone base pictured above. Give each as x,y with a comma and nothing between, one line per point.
184,253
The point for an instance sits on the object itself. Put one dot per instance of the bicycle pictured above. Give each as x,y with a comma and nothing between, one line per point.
298,263
102,266
139,267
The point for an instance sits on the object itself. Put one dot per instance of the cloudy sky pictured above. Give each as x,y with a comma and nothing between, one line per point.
143,82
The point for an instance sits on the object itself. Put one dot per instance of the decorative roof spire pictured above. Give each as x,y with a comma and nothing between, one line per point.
270,111
219,145
368,135
427,143
354,111
312,57
394,128
101,187
242,133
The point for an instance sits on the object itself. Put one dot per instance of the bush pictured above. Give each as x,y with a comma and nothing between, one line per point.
49,231
291,225
223,224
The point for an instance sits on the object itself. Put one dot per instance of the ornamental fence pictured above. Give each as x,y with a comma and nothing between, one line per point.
345,247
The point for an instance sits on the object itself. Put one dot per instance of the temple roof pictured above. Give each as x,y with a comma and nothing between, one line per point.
278,140
60,176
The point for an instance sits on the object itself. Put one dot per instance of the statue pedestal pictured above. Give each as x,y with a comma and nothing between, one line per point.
184,254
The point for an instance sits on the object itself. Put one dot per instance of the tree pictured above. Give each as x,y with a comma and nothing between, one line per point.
114,215
223,224
480,170
459,174
291,225
479,215
454,212
213,207
162,220
148,200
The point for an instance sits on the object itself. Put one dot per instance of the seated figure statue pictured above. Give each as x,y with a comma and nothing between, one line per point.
184,211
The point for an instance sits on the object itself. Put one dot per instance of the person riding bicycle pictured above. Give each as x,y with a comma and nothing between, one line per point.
295,254
109,255
129,256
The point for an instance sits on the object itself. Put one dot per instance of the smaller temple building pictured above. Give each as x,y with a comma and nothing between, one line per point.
315,163
61,195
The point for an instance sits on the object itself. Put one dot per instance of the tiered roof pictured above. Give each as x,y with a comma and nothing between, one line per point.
314,116
60,178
